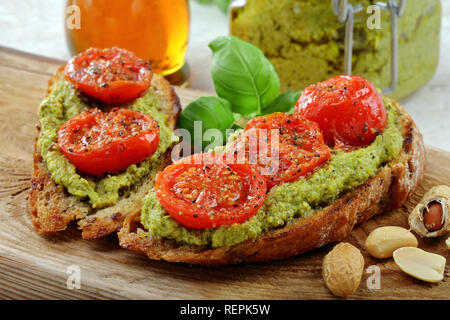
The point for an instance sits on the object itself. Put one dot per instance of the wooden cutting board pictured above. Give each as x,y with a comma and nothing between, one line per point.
35,266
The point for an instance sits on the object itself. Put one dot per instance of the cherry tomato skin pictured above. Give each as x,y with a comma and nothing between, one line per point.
210,193
110,75
300,147
98,143
349,110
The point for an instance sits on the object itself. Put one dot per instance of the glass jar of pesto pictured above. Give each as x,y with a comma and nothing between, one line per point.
394,44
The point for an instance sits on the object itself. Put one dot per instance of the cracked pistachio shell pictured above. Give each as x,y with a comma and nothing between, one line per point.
439,194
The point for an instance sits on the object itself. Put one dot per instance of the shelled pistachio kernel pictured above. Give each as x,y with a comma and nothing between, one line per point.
420,264
383,241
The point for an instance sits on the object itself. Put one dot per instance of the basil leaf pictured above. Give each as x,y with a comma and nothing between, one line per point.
223,4
243,75
214,113
284,103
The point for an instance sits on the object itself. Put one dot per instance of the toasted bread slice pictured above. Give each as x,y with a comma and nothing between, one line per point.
387,190
52,208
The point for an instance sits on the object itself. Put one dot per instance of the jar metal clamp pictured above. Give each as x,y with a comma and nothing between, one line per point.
345,12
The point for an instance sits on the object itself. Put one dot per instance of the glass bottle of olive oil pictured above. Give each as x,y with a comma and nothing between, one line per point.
155,30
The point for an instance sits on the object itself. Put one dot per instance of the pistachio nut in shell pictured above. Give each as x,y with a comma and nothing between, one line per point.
343,269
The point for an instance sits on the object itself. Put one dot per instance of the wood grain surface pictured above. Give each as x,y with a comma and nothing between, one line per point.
35,266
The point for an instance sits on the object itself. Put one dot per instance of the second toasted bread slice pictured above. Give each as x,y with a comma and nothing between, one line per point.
52,208
388,189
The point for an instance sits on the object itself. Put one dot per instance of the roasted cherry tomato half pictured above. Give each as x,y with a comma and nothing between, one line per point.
349,110
283,146
202,191
97,142
111,75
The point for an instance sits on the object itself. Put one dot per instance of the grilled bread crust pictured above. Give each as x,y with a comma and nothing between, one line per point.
52,208
387,190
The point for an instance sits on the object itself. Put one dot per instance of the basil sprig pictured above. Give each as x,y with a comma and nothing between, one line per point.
285,102
222,4
247,85
243,75
214,113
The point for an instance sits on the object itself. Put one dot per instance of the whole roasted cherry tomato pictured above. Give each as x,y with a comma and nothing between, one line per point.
349,110
97,142
203,191
283,146
111,75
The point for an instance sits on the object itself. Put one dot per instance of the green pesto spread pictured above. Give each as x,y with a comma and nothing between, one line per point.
288,201
63,103
305,41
